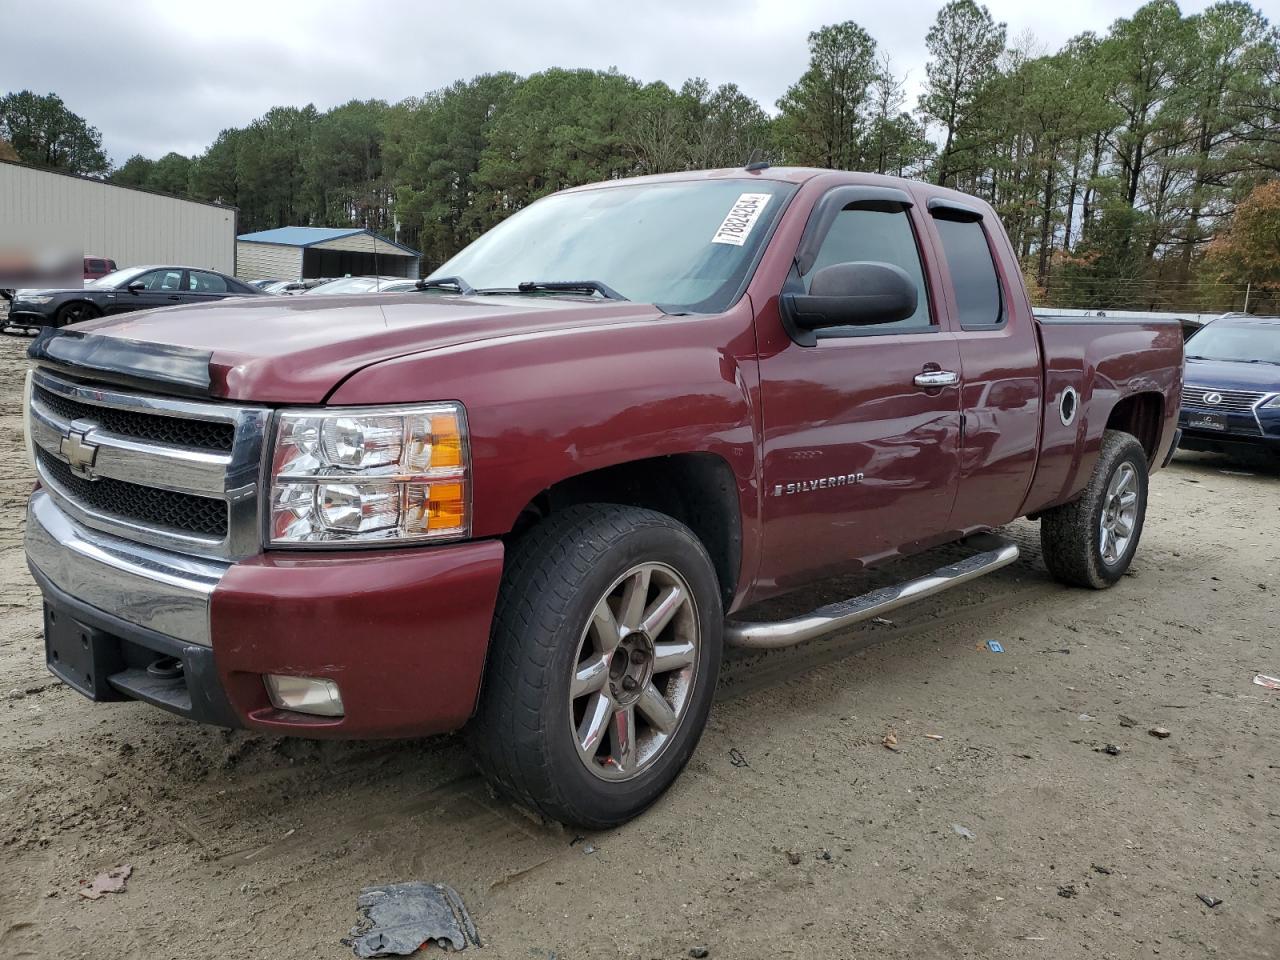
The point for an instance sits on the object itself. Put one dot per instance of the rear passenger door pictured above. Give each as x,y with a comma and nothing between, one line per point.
201,286
859,458
1000,365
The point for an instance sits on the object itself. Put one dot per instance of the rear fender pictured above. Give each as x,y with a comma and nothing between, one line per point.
1105,366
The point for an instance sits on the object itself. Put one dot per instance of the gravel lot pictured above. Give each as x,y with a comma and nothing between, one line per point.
794,832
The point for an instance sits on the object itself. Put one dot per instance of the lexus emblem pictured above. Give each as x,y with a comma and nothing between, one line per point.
1213,398
78,452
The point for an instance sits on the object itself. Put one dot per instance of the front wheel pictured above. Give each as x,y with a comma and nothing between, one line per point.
602,666
75,312
1091,541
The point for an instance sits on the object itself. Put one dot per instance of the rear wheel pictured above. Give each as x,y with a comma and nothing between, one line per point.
603,663
1091,541
75,312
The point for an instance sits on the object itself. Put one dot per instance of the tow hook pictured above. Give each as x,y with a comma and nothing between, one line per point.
165,668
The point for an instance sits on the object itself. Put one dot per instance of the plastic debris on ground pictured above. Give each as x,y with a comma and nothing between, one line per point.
994,646
1271,683
1208,901
112,881
964,832
397,919
890,741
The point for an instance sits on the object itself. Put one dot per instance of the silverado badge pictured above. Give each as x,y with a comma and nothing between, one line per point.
822,483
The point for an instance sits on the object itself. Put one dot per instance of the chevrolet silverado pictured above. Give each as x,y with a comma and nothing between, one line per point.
531,498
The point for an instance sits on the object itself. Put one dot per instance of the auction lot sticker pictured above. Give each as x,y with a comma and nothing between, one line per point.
742,217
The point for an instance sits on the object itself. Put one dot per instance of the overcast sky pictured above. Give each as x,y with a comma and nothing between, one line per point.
161,76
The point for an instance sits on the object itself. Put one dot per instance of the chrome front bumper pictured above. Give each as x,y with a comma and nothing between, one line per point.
152,588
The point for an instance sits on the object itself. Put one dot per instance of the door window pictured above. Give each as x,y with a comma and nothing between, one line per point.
859,234
201,282
161,280
973,273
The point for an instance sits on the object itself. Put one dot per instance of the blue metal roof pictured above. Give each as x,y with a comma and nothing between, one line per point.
299,236
310,236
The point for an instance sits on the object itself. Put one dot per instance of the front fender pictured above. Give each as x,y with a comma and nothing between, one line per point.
544,407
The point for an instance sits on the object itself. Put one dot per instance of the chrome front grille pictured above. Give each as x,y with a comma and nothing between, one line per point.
198,434
180,513
1229,401
177,474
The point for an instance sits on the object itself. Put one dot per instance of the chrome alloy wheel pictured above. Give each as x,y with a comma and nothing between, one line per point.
634,671
1119,514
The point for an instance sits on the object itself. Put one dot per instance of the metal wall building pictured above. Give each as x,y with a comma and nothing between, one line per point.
305,253
44,208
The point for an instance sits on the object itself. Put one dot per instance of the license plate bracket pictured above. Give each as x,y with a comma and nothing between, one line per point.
1217,422
81,656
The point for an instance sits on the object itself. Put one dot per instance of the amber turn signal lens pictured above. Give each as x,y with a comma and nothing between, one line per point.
437,509
446,441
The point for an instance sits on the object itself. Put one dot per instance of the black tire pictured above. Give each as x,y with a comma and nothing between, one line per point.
75,312
556,575
1071,535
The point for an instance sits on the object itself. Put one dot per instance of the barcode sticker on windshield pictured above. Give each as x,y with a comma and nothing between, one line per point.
742,217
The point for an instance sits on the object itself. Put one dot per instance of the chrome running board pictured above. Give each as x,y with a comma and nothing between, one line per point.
845,613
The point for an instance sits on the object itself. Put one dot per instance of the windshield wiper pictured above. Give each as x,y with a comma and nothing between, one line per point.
461,285
571,286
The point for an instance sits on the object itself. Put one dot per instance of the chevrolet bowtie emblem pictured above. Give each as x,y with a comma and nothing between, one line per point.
79,453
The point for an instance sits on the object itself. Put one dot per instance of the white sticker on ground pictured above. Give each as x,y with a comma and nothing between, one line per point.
742,217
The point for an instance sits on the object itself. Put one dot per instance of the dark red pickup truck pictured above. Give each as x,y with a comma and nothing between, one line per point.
530,497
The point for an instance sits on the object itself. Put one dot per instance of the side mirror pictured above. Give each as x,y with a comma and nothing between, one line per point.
137,286
848,295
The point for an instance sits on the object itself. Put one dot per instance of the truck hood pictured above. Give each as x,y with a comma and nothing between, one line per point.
1233,375
297,349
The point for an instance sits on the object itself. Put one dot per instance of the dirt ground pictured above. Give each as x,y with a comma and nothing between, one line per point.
793,832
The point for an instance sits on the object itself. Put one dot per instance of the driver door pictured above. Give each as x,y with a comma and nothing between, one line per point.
860,459
160,288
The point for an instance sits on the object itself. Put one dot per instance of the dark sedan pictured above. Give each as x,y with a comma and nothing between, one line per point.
134,288
1231,400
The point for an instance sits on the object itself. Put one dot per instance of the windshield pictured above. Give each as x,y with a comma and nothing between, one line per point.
1256,342
686,245
116,278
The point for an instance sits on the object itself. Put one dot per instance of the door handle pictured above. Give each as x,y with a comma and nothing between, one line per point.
174,297
932,379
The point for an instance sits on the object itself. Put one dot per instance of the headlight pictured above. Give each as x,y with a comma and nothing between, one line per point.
32,299
1273,402
370,475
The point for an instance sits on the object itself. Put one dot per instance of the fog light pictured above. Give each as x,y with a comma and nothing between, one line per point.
304,695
